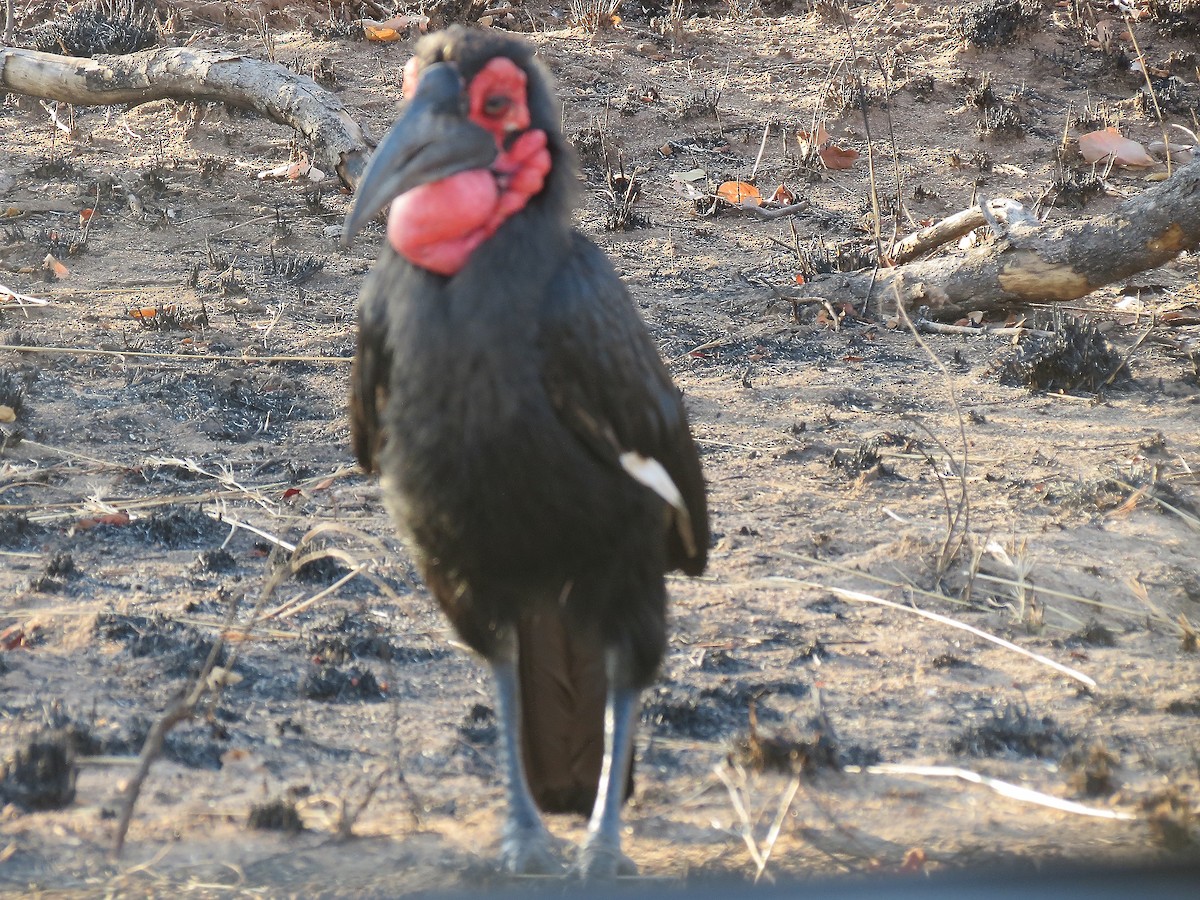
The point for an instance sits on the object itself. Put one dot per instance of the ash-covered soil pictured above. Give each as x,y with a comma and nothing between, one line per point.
149,494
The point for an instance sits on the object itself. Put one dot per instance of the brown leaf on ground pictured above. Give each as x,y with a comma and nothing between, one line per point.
1100,146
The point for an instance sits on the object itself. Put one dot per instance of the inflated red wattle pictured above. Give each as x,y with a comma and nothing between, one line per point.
437,226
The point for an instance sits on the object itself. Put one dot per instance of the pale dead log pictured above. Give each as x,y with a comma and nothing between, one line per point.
178,73
1036,263
953,227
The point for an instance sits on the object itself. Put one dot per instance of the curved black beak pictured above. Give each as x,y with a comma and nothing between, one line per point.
431,140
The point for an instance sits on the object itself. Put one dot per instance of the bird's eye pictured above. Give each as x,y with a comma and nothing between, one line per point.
496,105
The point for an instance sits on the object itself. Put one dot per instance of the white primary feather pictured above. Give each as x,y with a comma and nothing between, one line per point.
651,473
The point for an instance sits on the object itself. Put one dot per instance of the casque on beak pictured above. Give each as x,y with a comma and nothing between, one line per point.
430,141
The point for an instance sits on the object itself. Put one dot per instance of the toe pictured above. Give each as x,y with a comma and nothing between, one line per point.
529,851
600,860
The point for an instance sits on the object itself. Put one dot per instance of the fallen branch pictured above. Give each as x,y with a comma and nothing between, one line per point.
860,597
1036,262
188,357
179,73
953,227
1003,788
209,680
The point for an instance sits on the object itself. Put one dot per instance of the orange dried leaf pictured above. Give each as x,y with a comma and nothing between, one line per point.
118,519
85,215
1097,146
737,192
783,196
380,33
50,264
149,312
821,137
836,157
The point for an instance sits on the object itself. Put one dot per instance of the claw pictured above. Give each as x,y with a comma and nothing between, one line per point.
600,860
529,851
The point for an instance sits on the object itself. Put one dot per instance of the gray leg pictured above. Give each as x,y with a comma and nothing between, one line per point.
601,856
525,847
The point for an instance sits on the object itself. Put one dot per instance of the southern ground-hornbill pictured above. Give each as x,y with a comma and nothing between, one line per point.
529,440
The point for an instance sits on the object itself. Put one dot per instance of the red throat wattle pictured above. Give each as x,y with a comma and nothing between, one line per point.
437,226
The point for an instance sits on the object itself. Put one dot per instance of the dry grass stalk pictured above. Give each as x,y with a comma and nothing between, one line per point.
184,708
1004,788
734,779
192,357
936,617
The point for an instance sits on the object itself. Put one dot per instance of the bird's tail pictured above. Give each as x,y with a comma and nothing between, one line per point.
563,693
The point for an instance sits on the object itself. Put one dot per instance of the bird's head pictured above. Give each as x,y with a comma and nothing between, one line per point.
475,143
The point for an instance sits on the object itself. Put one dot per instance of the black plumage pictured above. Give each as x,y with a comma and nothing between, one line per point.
508,406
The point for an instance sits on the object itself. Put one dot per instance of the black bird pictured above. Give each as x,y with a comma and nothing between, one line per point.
529,440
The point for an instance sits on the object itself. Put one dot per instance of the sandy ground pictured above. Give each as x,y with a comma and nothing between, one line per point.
848,457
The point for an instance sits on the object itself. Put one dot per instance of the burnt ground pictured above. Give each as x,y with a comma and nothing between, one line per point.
833,450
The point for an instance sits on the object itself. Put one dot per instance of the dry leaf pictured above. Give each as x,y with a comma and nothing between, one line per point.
736,193
808,141
390,30
117,519
50,264
7,414
836,157
783,196
380,33
149,312
1100,146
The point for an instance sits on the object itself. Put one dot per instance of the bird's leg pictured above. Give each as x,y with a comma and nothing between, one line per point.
525,847
601,856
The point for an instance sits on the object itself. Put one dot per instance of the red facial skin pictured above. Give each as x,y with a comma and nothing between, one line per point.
438,225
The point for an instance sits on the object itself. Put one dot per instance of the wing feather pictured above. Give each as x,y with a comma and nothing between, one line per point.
609,386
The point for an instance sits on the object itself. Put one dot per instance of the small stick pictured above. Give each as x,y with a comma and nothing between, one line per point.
764,212
1004,788
235,524
761,149
937,617
185,708
929,327
785,803
193,357
292,607
747,830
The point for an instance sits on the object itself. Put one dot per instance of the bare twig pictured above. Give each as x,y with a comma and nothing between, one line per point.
184,709
1004,788
937,617
192,357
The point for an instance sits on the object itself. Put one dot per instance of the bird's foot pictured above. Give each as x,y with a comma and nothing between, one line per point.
601,859
529,850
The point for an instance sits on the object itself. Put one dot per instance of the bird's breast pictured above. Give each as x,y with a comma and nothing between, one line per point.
475,460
